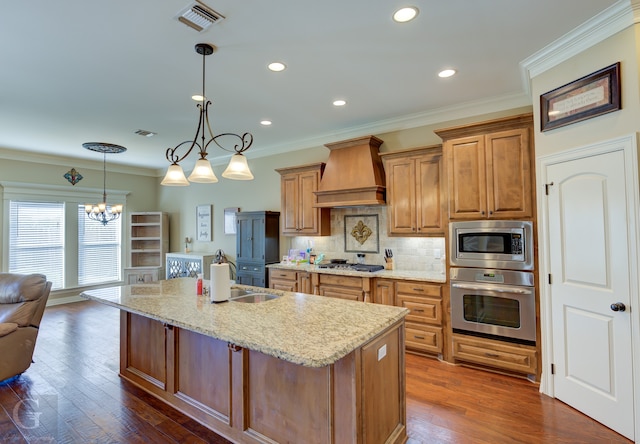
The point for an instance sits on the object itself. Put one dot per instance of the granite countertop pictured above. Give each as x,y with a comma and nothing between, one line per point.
426,276
309,330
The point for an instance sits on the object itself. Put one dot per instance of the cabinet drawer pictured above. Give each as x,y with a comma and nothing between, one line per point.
418,288
423,310
423,338
287,275
351,294
343,281
521,359
251,268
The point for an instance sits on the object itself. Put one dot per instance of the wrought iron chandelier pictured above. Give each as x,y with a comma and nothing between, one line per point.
237,169
102,212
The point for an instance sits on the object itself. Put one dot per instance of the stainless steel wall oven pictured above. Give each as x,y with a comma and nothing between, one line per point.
498,304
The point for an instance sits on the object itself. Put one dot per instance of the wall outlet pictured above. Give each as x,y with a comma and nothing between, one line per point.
437,253
382,352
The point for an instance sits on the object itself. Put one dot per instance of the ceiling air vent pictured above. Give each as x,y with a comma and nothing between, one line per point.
145,133
198,16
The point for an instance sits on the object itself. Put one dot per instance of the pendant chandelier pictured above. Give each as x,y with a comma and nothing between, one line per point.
102,212
237,169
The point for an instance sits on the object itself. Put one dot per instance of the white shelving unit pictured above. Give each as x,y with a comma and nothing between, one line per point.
148,245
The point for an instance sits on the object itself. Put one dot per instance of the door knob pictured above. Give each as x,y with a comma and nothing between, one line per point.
618,306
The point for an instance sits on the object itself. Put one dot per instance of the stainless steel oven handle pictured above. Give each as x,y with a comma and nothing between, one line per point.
493,287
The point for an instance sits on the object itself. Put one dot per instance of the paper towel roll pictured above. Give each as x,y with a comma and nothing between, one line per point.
219,287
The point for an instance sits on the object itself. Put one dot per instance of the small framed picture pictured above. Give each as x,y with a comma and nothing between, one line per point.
203,223
230,220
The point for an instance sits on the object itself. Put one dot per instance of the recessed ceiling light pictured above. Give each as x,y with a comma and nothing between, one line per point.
265,122
403,15
446,73
339,102
197,97
277,66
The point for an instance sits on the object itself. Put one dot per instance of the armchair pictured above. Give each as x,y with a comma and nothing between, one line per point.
23,298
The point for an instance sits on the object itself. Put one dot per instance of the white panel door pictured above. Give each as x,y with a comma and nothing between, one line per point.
590,268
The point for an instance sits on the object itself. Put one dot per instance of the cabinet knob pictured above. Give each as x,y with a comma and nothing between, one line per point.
490,212
482,212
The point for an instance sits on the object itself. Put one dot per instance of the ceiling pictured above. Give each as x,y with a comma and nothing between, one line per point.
76,71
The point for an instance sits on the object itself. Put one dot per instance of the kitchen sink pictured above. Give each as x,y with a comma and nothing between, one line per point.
252,298
236,292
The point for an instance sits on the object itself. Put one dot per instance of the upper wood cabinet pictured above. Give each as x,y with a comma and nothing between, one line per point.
415,191
489,169
300,217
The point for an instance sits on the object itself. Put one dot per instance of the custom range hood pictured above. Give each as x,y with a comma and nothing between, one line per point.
353,175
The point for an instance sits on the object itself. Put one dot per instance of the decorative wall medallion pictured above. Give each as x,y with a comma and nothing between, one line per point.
73,176
361,233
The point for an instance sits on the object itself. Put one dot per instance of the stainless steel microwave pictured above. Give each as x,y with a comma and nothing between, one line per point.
501,244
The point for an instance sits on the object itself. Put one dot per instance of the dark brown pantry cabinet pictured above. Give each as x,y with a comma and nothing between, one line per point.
257,244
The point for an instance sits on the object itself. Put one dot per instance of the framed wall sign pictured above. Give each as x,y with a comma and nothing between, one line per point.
203,223
590,96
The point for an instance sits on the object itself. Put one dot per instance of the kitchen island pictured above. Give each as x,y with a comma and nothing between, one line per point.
298,368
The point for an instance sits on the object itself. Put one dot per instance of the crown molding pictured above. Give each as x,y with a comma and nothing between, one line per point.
612,20
75,162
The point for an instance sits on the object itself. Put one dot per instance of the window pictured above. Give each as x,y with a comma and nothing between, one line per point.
36,239
46,230
98,250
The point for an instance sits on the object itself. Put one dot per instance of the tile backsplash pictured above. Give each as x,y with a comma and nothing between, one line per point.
409,253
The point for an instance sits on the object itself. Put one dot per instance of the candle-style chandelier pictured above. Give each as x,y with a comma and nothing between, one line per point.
237,169
102,212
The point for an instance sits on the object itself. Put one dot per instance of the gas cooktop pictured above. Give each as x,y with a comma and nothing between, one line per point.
354,267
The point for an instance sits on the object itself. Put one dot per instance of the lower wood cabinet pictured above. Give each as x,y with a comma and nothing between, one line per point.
251,397
495,354
285,280
424,323
344,287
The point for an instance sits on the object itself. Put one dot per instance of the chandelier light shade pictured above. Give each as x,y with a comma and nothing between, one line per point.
102,212
238,168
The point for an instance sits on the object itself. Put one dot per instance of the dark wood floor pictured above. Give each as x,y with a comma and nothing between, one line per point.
74,395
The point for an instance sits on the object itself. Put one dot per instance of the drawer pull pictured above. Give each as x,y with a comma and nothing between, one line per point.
418,289
419,310
492,355
418,337
283,275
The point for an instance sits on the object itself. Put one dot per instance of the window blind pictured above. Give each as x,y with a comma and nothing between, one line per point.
98,250
36,239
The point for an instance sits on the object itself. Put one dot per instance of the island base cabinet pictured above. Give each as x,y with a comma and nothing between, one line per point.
251,397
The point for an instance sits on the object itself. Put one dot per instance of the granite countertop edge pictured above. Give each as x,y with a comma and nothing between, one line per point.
410,275
309,352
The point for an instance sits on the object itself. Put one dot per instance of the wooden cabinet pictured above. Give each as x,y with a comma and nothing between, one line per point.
424,324
495,354
384,292
285,280
148,244
489,169
251,397
299,215
415,192
188,265
257,244
344,287
290,280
